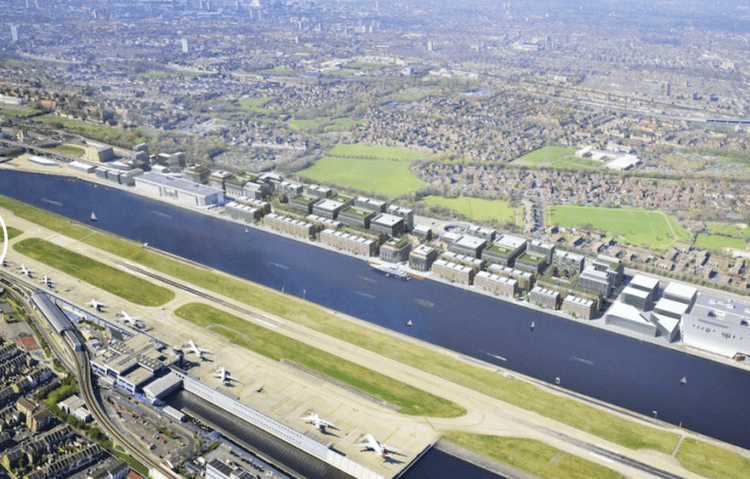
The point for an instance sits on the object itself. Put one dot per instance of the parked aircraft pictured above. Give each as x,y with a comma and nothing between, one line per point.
46,281
371,444
24,270
129,319
196,350
319,423
96,304
224,375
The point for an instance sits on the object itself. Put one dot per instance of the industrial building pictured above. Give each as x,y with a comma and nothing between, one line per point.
422,257
453,272
181,191
162,387
717,325
495,284
348,242
544,297
290,226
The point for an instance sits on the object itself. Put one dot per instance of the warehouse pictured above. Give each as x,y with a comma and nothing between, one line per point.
180,191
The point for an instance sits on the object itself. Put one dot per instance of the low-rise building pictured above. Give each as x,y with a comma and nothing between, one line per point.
303,203
524,278
422,232
290,226
532,263
496,284
197,174
681,293
405,213
567,264
505,250
466,260
453,272
328,208
317,191
467,244
389,224
219,178
422,257
370,204
180,191
395,250
349,242
580,307
546,298
628,317
717,325
355,216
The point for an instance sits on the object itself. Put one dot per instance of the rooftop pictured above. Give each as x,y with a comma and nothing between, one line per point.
512,242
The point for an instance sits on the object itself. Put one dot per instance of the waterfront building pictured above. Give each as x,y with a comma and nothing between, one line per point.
645,283
405,213
567,264
257,189
243,212
505,250
395,250
524,278
98,153
717,325
496,284
356,216
422,257
348,242
290,226
636,297
389,224
630,318
263,206
324,222
546,298
453,272
466,260
580,307
612,266
596,280
328,208
180,191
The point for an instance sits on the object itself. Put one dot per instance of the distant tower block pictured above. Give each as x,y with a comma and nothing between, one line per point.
14,33
184,45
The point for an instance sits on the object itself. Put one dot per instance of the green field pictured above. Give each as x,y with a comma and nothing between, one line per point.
342,124
733,230
386,177
263,341
69,150
718,242
300,124
556,157
531,456
476,208
359,150
12,232
255,104
11,112
645,228
711,461
119,283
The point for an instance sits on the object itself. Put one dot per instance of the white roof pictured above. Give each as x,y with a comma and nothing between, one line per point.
644,282
638,293
329,205
667,322
385,219
471,242
671,306
423,249
509,241
680,290
626,312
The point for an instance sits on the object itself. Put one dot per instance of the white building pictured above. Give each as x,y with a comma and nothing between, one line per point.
718,325
180,191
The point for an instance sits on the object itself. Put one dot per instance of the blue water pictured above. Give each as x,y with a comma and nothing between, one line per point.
629,373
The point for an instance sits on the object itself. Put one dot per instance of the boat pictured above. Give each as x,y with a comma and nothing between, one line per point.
93,217
247,231
683,381
389,271
409,323
739,357
532,325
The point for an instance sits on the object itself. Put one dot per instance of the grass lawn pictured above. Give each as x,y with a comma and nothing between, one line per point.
387,177
556,157
645,228
342,124
476,208
263,341
124,285
41,217
718,242
359,150
299,124
11,112
255,104
712,461
514,391
12,232
734,230
531,456
69,150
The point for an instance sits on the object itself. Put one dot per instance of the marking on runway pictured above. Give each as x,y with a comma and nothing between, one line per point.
366,295
598,456
581,360
272,326
277,321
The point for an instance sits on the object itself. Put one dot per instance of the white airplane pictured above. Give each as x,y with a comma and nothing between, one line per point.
319,423
196,350
46,281
129,319
5,263
24,270
96,304
224,375
371,444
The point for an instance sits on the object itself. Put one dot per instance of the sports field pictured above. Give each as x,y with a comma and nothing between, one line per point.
648,229
385,177
557,157
359,150
476,208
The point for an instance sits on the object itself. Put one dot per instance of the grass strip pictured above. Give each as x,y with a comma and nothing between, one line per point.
712,461
529,455
12,232
276,346
124,285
